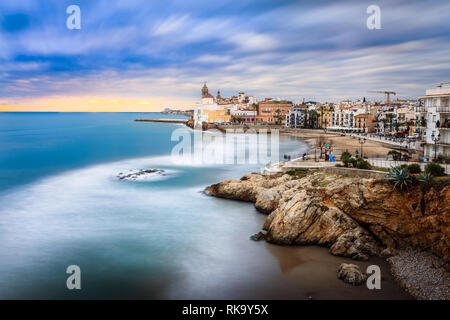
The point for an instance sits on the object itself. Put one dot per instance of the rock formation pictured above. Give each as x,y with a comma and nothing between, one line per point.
134,175
354,217
351,273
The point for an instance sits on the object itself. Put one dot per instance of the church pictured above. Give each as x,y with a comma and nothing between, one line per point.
209,111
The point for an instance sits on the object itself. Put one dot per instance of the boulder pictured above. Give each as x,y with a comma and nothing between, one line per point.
351,273
354,217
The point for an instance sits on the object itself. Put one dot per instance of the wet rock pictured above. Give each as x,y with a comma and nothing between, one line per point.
258,236
351,273
354,217
137,174
388,252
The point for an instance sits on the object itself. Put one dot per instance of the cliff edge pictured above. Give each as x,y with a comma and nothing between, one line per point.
354,217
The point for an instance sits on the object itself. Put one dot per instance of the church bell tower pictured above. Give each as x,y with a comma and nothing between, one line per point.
204,91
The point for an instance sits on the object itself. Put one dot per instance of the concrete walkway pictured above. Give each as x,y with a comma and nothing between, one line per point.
297,164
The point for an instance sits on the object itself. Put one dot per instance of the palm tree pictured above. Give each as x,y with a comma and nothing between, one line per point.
312,117
279,118
385,121
321,108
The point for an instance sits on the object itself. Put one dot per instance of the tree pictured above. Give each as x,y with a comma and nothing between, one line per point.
408,125
312,118
396,156
321,142
321,108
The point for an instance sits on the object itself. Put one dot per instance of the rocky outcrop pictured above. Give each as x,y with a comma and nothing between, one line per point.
263,191
190,123
351,273
354,217
142,174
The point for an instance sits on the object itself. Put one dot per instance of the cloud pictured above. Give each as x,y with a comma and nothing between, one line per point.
164,51
211,58
171,24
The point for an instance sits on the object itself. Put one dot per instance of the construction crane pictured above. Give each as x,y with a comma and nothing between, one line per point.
387,93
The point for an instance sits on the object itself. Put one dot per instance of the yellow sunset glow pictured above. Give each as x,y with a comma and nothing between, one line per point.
90,104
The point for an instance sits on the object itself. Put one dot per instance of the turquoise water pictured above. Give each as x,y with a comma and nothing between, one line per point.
61,204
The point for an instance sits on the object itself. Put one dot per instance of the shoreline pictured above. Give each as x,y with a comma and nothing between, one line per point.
162,120
340,143
355,218
371,149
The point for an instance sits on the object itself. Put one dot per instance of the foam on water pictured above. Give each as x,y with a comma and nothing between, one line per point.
161,237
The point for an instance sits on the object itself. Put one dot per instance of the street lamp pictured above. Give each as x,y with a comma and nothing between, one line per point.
435,139
361,142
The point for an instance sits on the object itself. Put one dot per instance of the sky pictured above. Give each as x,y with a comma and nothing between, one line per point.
145,55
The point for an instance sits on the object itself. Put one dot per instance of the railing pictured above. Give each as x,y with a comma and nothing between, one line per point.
391,163
404,144
421,109
443,109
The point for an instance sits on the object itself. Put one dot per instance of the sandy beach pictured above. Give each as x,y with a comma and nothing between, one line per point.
341,143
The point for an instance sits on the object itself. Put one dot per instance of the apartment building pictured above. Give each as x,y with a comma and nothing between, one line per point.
295,118
365,122
325,117
274,111
437,115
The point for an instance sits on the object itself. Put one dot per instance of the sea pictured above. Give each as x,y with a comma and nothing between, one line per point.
160,237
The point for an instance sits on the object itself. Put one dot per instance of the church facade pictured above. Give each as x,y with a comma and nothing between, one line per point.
209,111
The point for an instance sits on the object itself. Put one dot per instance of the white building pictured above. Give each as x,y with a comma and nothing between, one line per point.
241,97
243,113
343,118
437,109
209,111
296,118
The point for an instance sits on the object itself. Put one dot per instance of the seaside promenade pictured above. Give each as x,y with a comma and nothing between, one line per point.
162,120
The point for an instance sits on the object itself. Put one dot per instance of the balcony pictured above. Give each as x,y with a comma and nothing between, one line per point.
443,109
421,109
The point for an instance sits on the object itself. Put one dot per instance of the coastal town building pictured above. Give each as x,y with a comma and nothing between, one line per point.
274,111
209,111
437,115
324,117
365,122
296,118
343,118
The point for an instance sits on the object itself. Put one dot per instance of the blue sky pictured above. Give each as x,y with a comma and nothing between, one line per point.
146,54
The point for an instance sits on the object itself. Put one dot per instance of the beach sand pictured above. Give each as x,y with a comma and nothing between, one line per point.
371,149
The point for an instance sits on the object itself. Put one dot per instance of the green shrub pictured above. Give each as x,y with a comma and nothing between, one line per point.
443,159
362,164
353,162
435,169
298,172
414,168
345,158
426,178
395,155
